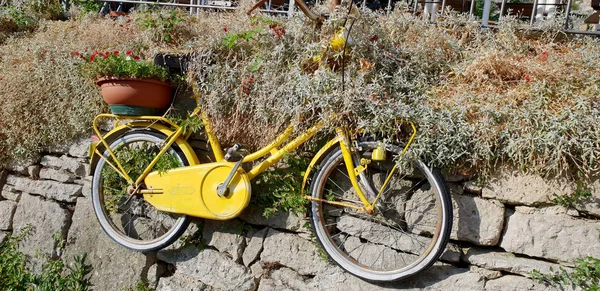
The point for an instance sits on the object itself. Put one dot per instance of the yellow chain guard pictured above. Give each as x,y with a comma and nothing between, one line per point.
193,191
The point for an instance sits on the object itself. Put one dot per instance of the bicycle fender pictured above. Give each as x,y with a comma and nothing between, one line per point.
322,153
186,149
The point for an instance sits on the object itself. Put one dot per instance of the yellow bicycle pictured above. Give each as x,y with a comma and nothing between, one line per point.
377,220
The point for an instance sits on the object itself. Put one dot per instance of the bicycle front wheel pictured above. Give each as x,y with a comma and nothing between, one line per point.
131,221
410,225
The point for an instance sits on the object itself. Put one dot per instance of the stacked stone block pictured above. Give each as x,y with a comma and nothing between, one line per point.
502,230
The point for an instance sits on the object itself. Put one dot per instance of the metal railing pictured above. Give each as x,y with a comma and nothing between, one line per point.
539,9
194,6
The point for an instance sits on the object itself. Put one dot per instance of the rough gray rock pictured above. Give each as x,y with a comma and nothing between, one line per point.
472,187
508,262
56,175
3,236
65,163
293,252
488,274
9,192
211,267
34,171
57,149
283,279
225,236
438,277
544,234
515,188
86,189
80,148
421,218
257,269
477,220
179,282
254,247
591,205
280,220
20,167
516,283
455,189
452,253
45,218
378,234
382,235
49,189
7,210
115,267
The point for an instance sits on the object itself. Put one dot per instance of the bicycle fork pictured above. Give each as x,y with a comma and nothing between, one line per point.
355,167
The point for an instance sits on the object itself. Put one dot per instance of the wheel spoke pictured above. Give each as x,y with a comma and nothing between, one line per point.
135,223
406,227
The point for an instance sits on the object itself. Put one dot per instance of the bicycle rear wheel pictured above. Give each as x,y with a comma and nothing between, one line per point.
131,221
408,230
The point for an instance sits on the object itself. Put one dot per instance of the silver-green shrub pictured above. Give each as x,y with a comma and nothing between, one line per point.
479,97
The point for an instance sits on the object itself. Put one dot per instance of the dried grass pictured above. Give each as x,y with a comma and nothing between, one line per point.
478,97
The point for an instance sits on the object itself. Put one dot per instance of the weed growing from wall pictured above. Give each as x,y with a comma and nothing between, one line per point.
279,189
55,275
585,275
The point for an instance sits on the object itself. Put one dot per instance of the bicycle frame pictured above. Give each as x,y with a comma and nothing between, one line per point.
273,149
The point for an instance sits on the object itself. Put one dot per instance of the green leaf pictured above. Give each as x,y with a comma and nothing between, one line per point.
229,40
256,64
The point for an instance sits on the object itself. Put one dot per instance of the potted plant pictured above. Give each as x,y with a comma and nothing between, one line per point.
129,85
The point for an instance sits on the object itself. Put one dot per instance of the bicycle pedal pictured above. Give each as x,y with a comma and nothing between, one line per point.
235,153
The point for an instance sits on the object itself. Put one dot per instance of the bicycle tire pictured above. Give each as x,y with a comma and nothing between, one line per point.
135,227
405,235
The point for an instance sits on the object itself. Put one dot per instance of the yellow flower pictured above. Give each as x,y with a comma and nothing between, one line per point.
338,41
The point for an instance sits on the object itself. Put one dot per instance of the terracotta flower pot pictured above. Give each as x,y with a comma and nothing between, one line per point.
127,94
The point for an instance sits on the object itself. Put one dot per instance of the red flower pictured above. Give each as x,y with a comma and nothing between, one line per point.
278,30
225,29
93,57
527,79
129,52
137,58
76,54
116,53
246,83
374,38
107,54
544,56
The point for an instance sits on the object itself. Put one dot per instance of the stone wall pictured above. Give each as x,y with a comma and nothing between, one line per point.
502,231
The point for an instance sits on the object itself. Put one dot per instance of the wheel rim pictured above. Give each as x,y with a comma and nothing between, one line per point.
405,234
134,223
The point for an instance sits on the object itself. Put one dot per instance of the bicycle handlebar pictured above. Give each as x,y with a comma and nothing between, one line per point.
309,13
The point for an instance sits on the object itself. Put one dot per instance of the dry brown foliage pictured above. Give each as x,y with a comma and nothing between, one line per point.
478,97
